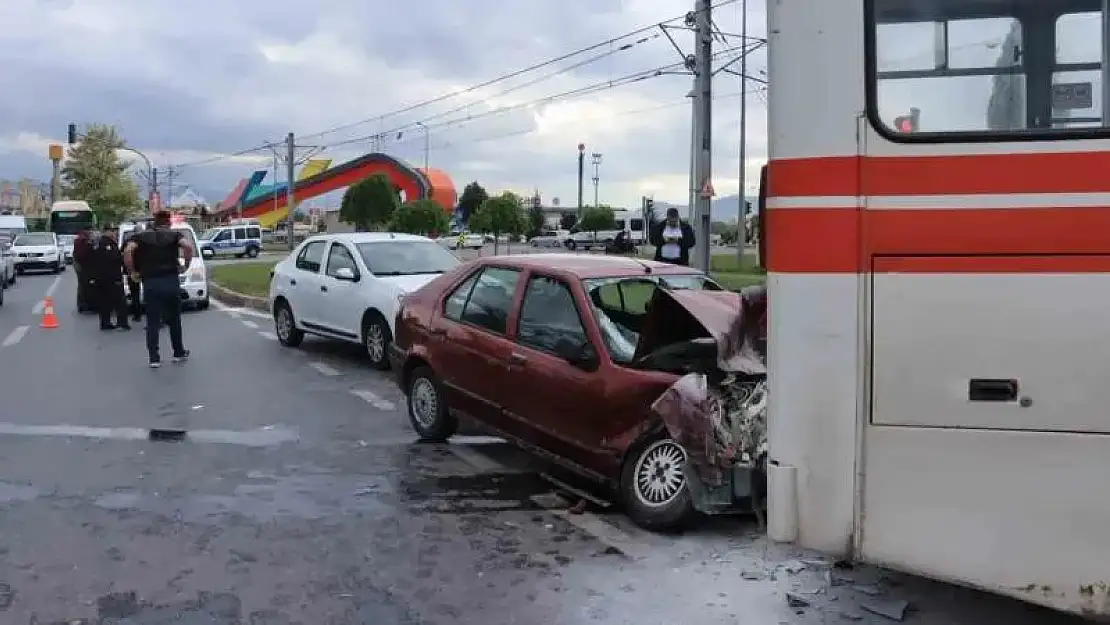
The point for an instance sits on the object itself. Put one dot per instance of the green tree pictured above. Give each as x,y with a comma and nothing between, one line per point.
502,214
94,172
471,199
369,203
596,218
536,220
424,217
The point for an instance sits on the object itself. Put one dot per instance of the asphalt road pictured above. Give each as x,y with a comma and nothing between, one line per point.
299,496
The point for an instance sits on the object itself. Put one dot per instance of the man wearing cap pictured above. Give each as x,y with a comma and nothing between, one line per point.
154,256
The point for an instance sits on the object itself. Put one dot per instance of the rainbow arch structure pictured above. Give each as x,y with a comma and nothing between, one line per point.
267,203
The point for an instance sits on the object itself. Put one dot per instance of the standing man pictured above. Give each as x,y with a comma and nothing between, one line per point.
134,288
673,239
105,268
154,258
82,246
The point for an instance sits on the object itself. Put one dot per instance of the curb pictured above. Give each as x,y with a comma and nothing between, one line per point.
233,298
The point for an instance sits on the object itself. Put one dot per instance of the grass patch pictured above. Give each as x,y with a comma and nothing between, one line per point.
734,281
248,278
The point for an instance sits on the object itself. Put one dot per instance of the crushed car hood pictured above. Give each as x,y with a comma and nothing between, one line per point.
711,320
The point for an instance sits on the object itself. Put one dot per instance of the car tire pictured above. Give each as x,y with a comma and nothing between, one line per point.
571,245
204,304
376,339
252,252
285,326
428,413
653,486
57,268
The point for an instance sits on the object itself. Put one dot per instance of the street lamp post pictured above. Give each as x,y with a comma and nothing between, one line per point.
150,183
595,160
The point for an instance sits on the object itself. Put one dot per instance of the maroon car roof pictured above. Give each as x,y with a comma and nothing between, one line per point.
589,265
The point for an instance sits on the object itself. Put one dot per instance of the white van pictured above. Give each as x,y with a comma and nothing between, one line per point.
194,282
241,239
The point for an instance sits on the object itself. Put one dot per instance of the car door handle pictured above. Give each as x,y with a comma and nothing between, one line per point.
292,282
323,288
438,332
517,359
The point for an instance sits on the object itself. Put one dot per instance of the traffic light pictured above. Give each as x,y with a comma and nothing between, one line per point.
71,137
908,123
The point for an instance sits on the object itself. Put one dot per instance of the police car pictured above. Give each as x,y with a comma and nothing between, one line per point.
238,239
194,282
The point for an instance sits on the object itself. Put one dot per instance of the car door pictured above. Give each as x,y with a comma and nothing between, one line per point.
341,305
471,345
553,399
240,241
223,242
303,283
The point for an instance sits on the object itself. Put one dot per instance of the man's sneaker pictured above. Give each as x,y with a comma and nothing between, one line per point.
155,363
182,357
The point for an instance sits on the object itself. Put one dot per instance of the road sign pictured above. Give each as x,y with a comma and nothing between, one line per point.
707,190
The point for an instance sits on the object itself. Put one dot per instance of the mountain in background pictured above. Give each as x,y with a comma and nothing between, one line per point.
722,209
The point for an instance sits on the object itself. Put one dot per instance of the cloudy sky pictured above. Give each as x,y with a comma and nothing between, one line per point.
189,82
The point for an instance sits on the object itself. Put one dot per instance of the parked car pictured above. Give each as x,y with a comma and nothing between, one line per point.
347,287
550,238
462,240
238,240
561,354
7,261
38,250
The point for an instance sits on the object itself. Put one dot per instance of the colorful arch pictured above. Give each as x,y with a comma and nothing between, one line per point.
433,184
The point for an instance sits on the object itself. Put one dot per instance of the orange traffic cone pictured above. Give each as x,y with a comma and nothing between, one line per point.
49,319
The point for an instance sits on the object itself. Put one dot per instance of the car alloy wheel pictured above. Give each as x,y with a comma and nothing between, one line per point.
424,406
658,474
284,323
375,342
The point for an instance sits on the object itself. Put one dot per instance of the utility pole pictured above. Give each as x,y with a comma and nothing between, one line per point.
595,160
427,146
56,153
703,122
581,173
742,218
153,190
169,185
290,164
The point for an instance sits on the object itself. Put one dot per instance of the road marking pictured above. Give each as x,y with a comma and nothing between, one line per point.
606,533
236,312
262,437
477,459
53,286
250,324
15,336
268,335
324,369
372,399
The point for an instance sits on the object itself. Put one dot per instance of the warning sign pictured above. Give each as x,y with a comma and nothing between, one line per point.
707,190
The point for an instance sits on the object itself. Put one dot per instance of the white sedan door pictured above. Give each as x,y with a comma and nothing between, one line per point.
342,303
301,283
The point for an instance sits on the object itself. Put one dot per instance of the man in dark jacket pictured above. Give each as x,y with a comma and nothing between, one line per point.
105,269
672,239
82,245
154,256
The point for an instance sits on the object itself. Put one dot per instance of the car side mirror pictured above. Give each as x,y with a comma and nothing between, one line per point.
584,355
345,273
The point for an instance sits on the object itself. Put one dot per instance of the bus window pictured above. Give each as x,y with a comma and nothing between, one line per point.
992,68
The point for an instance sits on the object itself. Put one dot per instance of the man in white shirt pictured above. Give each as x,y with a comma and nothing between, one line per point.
672,239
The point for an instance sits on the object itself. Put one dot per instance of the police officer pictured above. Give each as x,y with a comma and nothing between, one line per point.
153,256
105,269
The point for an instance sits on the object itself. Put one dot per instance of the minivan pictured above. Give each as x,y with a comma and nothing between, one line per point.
239,240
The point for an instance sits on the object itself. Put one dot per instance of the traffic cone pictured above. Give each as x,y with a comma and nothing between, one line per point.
49,319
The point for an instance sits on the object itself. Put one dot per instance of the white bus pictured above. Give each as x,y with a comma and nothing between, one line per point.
937,236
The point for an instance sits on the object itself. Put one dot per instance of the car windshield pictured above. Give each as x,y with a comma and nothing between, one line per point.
34,238
620,305
406,258
209,234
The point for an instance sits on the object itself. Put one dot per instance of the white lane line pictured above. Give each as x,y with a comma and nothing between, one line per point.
39,307
372,399
324,369
53,286
262,437
477,459
15,336
250,324
257,314
268,335
607,534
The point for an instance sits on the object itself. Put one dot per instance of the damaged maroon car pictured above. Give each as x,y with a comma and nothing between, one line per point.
644,377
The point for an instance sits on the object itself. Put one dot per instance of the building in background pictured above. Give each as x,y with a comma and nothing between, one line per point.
27,196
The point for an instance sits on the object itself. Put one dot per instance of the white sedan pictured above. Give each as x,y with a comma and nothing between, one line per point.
347,287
